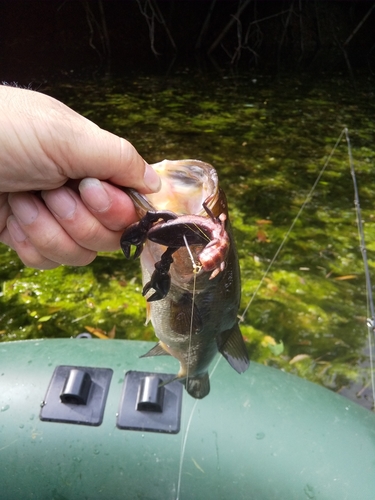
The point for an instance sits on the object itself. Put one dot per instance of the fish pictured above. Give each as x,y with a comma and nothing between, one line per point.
190,271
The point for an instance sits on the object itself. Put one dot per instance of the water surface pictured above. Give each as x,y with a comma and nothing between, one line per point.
268,140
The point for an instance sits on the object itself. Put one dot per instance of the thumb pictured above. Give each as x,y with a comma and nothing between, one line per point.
94,152
105,156
58,144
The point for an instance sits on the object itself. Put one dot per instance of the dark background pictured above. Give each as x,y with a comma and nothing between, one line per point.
51,39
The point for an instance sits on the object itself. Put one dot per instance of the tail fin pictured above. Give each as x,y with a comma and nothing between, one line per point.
199,386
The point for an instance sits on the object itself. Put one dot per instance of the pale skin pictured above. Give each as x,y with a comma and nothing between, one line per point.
58,202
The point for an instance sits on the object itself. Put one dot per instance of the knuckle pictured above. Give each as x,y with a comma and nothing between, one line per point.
98,238
82,258
60,248
32,258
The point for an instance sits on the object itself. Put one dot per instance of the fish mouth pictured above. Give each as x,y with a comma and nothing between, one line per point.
185,186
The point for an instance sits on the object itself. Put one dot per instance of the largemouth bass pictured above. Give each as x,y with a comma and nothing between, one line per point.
190,270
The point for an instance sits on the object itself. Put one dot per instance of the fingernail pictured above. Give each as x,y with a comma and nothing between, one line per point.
94,194
24,208
15,230
151,179
60,202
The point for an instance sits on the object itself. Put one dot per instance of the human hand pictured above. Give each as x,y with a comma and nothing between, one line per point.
55,204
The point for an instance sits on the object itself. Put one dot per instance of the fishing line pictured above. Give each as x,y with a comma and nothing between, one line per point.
371,319
183,447
370,303
198,231
196,269
361,234
282,244
362,245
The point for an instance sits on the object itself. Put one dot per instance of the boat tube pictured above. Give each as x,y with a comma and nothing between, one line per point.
90,419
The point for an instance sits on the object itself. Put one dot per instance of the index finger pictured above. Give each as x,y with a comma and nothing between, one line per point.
110,205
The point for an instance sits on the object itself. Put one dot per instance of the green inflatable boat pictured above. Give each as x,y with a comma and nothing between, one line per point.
89,419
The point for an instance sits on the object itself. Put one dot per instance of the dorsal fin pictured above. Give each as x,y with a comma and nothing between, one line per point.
233,348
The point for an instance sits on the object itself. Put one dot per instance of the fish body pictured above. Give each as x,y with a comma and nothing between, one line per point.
197,315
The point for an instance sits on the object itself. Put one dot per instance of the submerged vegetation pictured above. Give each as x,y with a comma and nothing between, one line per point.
268,140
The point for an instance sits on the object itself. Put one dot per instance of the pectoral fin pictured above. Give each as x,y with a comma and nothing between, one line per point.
233,348
148,313
157,350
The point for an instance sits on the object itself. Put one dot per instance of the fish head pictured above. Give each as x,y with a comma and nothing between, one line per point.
186,187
